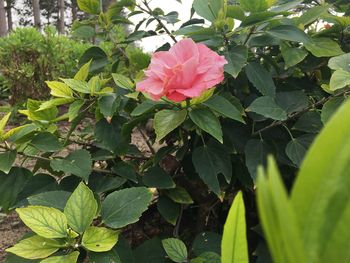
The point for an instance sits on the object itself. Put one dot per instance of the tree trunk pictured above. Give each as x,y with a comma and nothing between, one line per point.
36,12
61,7
74,11
3,22
9,14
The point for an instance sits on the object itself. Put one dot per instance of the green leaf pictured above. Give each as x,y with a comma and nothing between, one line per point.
55,199
256,152
340,79
54,102
235,11
78,163
99,239
179,195
144,107
210,161
74,109
150,251
59,89
309,122
207,242
297,148
123,82
46,142
175,249
267,107
292,101
292,56
290,33
125,207
208,9
45,221
108,105
165,121
261,79
35,247
99,183
276,212
323,47
81,208
6,161
206,120
78,85
330,107
89,6
312,15
224,107
97,55
158,178
169,210
255,6
207,257
125,170
320,193
237,59
340,62
234,247
83,72
70,258
104,257
11,185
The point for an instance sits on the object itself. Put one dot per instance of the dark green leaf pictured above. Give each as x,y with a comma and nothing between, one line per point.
237,59
291,55
267,107
290,33
256,152
158,178
175,249
208,9
309,122
46,142
6,161
55,199
224,107
108,105
168,209
207,241
261,79
292,101
151,251
126,171
97,55
166,121
297,148
330,107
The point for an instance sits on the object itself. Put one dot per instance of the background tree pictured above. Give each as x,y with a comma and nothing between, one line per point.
9,7
3,23
36,13
61,5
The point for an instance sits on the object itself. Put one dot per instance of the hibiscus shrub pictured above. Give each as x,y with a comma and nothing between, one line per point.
248,79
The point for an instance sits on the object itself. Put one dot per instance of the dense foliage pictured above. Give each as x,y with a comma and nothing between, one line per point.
287,73
29,58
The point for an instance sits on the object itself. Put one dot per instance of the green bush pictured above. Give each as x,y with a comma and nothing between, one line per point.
29,58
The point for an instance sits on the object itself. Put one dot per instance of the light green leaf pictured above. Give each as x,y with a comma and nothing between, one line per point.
255,6
45,221
320,194
35,247
123,82
179,195
89,6
330,107
340,62
206,120
208,9
234,247
46,142
276,212
78,163
3,123
78,85
70,258
261,79
224,107
54,102
237,59
340,79
74,109
175,249
59,89
166,121
81,208
323,47
6,161
99,239
267,107
290,33
292,56
125,207
83,72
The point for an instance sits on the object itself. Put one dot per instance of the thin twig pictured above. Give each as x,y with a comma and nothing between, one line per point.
146,140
